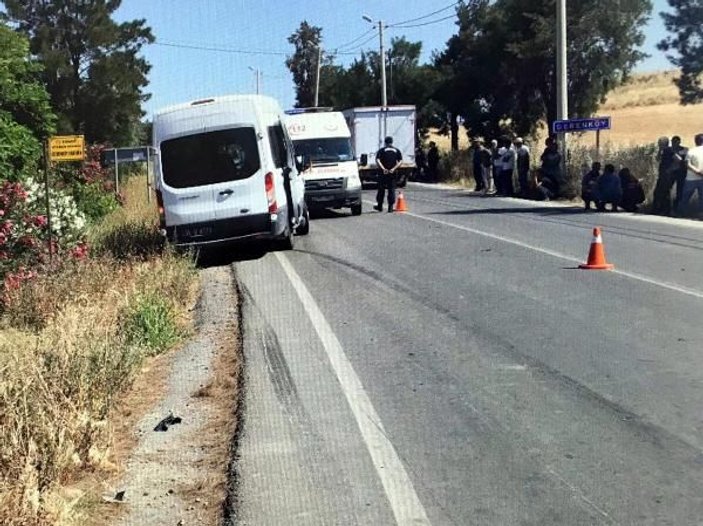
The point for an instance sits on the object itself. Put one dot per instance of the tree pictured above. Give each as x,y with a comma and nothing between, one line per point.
303,63
92,67
686,22
408,81
26,117
505,54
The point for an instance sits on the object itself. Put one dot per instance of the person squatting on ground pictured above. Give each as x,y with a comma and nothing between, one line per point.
550,170
588,184
388,160
694,176
522,153
632,191
608,189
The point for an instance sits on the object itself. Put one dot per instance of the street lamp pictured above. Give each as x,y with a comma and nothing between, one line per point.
382,57
257,73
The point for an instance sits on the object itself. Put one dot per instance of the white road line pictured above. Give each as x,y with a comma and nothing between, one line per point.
406,505
566,257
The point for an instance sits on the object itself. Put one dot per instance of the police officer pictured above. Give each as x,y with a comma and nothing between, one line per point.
388,160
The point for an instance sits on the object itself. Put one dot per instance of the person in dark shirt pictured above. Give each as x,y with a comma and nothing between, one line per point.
432,162
588,184
608,189
550,170
476,162
632,191
388,160
661,203
680,153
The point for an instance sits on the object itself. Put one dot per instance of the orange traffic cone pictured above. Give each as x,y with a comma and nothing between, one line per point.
400,205
596,256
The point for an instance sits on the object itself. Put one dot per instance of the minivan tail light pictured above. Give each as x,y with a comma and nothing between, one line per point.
271,193
160,205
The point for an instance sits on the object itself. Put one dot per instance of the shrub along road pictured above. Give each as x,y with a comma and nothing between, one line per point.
450,366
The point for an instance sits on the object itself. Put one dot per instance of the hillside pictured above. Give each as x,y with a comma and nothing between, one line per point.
642,110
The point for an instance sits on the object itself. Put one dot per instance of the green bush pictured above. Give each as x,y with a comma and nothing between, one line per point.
93,201
151,323
135,239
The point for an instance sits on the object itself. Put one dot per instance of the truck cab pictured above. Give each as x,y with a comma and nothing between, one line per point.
322,138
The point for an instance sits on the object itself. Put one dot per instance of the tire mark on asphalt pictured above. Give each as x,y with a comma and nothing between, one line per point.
642,428
529,214
314,448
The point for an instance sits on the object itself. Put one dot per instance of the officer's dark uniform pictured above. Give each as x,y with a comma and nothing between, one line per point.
388,157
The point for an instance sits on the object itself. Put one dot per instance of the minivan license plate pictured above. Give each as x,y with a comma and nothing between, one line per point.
201,231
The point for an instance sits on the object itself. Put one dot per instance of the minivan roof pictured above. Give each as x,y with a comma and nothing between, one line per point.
263,101
215,113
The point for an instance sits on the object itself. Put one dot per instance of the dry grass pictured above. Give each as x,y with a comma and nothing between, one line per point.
644,109
221,394
65,362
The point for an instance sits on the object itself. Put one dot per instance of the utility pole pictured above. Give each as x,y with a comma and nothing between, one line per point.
562,75
382,58
317,78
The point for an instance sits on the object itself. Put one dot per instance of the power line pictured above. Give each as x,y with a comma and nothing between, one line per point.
425,23
353,50
347,44
425,16
183,45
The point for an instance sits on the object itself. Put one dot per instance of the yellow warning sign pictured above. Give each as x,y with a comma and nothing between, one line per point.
66,148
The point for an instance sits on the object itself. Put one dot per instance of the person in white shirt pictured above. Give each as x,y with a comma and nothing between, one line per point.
508,169
694,176
522,153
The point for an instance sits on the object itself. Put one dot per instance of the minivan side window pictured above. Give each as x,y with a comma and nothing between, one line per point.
210,158
278,146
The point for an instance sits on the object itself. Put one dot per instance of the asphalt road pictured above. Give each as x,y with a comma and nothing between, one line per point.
451,366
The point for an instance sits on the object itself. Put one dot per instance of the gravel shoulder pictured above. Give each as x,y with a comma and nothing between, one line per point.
179,476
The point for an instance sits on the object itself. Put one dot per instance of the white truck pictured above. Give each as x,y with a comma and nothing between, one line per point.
321,137
371,125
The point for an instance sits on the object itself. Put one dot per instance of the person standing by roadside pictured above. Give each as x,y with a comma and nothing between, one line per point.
486,168
432,162
522,153
388,160
694,176
661,203
497,164
508,168
680,167
476,165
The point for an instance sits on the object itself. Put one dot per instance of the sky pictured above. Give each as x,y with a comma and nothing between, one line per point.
243,35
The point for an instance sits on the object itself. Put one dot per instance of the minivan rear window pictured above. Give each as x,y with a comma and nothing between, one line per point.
210,158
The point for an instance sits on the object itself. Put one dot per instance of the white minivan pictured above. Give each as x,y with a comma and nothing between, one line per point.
225,170
322,138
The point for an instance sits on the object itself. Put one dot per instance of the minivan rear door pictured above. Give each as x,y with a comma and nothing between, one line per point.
210,175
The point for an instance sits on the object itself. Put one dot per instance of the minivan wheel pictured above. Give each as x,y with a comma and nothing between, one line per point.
287,242
356,210
304,227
